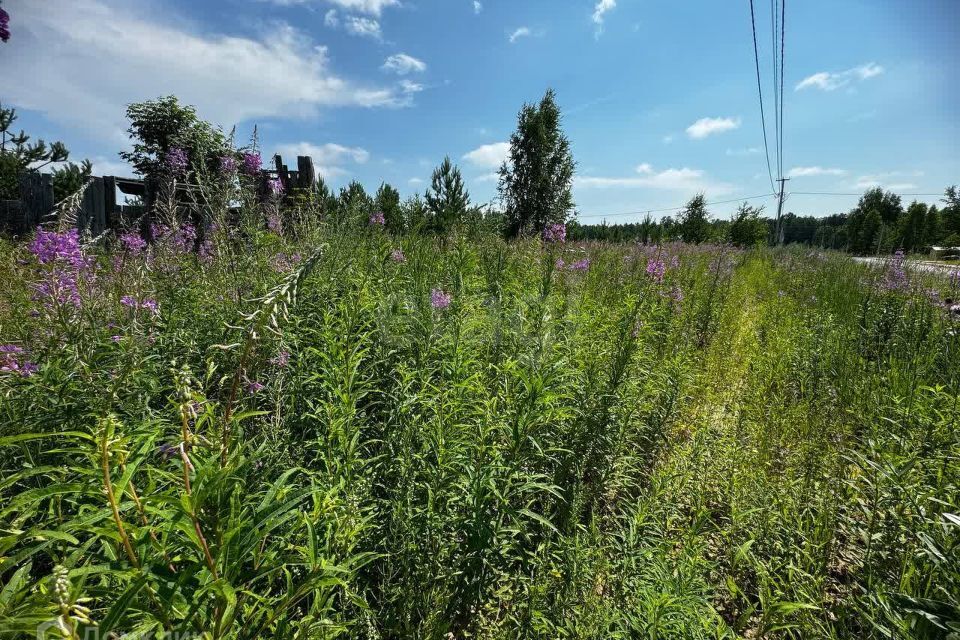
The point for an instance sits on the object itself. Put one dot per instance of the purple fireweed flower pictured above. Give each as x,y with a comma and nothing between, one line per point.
169,450
675,262
556,232
54,246
397,255
580,265
282,359
282,263
185,237
150,305
206,251
276,186
895,279
4,25
177,160
12,361
62,260
255,387
440,299
676,294
250,163
656,269
228,164
129,301
377,219
274,224
559,264
132,242
116,338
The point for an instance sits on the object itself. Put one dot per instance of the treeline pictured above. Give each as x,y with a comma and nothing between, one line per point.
880,223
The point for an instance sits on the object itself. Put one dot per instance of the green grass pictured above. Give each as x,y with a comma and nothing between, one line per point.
558,454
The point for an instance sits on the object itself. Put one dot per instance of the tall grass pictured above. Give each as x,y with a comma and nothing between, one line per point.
757,444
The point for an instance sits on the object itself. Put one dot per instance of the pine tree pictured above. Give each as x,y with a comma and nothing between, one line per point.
18,156
447,198
536,181
387,202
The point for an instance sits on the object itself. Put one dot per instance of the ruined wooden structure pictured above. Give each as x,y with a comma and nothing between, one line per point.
99,209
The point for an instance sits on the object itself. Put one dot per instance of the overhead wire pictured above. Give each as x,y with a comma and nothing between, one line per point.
679,208
763,118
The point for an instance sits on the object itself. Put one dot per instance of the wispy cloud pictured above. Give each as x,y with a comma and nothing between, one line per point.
521,32
708,126
413,182
477,6
489,156
327,158
369,7
749,151
601,8
331,19
364,27
229,78
685,180
830,81
893,180
487,177
402,64
808,172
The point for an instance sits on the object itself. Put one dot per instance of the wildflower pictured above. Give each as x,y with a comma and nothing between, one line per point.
273,223
177,161
132,242
228,164
251,163
185,237
656,269
556,232
397,256
116,338
4,25
580,265
282,359
255,387
276,186
169,450
676,294
440,299
895,278
12,361
53,246
559,264
377,219
61,254
129,301
150,305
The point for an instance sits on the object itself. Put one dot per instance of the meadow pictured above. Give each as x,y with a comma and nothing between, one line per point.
316,430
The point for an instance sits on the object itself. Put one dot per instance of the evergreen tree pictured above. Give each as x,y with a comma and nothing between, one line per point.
932,227
18,156
447,198
536,180
694,223
354,206
950,215
415,213
387,201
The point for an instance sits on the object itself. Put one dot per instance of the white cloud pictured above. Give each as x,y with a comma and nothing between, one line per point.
749,151
522,32
364,27
489,156
370,7
409,87
139,56
105,167
477,6
331,19
709,126
681,180
402,64
893,180
829,81
804,172
327,158
601,8
415,181
487,177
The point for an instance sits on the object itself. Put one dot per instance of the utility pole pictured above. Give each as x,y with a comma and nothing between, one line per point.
779,225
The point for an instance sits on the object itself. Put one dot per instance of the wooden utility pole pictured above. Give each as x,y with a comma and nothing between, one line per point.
779,225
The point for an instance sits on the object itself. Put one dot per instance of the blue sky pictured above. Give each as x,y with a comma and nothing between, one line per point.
659,97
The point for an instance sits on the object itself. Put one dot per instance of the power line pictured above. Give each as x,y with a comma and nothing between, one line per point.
783,39
763,119
633,213
776,95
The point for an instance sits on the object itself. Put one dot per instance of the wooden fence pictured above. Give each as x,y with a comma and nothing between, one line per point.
99,209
